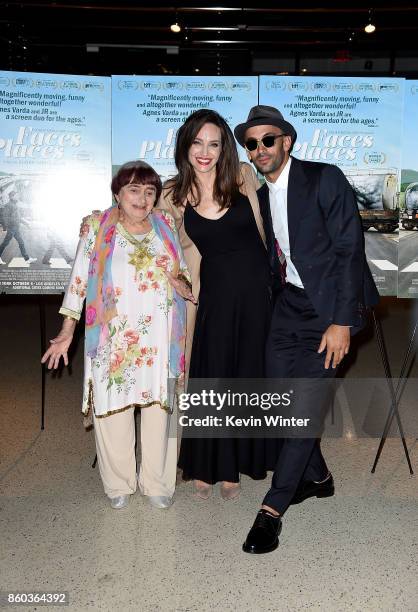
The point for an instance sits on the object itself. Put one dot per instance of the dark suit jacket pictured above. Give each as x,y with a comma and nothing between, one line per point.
326,243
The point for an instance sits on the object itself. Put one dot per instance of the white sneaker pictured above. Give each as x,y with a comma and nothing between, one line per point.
160,501
117,503
2,263
31,260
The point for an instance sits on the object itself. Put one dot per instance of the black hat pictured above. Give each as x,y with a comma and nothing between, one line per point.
264,115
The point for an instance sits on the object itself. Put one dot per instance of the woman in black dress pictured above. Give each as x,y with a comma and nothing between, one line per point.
233,314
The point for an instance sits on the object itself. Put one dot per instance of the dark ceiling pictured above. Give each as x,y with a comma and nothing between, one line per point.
125,37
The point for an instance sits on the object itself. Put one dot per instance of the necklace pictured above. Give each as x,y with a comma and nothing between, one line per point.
140,257
140,227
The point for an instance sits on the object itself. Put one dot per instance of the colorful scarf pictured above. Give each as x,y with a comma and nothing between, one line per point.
101,301
178,321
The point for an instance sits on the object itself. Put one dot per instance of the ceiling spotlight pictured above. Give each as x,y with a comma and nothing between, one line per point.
175,27
370,27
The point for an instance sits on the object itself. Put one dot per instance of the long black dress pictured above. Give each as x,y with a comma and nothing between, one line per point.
232,323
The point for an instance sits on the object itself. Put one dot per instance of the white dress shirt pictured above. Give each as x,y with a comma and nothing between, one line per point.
278,207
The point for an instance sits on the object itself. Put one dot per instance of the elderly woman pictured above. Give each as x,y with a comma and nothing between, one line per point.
130,269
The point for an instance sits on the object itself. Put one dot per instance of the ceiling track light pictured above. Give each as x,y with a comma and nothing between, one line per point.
175,27
370,27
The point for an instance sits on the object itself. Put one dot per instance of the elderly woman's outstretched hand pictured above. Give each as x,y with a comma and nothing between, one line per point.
59,346
181,286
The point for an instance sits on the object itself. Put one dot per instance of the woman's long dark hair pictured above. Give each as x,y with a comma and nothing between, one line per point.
227,182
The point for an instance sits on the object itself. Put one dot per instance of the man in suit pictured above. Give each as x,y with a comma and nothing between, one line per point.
316,247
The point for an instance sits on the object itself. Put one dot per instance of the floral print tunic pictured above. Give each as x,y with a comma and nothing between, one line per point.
132,367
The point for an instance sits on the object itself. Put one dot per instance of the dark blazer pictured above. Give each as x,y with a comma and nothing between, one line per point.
326,243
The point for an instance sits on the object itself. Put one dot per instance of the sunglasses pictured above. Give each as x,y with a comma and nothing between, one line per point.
267,141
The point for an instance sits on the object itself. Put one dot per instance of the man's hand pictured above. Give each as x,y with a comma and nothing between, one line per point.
336,340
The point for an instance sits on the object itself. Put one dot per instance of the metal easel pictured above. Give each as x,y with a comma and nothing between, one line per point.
395,393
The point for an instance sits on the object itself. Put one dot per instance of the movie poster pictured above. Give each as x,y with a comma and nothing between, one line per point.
356,124
55,167
408,226
148,110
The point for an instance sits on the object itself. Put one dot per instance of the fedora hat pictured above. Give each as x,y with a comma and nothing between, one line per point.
264,115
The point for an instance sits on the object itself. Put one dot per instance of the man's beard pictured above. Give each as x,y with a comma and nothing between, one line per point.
268,168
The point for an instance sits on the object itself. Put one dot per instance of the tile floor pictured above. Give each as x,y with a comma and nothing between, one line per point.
357,551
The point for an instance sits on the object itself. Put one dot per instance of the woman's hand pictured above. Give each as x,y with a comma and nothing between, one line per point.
84,226
181,287
60,345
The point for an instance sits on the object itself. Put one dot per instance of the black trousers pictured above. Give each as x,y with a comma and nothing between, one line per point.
14,232
292,352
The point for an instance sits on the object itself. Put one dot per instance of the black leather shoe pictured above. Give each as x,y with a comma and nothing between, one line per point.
314,489
263,536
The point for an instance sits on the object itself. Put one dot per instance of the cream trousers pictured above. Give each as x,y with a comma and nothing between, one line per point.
115,444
